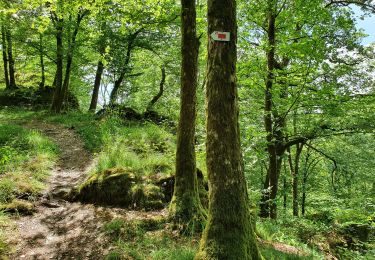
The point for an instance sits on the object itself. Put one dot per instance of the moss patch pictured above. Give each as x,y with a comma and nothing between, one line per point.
18,206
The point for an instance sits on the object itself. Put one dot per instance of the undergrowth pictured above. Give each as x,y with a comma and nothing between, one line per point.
26,159
133,240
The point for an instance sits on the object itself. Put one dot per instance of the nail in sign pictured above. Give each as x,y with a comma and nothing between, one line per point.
220,36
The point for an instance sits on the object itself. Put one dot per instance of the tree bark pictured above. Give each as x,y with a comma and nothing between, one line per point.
268,205
58,96
12,78
185,208
5,56
229,232
95,92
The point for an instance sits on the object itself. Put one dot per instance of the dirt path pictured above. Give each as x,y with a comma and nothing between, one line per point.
60,229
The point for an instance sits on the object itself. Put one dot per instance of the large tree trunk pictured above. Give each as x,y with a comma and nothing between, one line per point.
95,92
12,78
185,208
5,55
229,233
58,96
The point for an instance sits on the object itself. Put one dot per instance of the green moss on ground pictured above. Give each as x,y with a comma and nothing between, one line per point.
17,206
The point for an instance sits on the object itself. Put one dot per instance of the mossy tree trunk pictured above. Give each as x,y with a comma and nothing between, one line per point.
229,232
185,208
5,55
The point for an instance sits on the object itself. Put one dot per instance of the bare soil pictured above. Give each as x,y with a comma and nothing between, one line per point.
60,229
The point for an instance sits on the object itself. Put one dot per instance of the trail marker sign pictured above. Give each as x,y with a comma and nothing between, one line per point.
220,36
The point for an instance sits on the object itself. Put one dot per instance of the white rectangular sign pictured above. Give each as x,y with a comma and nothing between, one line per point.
220,36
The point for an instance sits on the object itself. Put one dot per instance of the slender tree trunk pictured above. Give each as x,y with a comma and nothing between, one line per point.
116,87
12,78
43,78
5,56
285,189
295,176
161,90
70,53
185,207
229,233
95,92
58,97
268,203
54,80
68,70
303,201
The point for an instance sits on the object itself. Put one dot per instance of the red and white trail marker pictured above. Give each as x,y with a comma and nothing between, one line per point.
220,36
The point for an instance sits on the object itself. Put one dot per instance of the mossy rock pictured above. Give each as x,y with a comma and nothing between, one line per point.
356,231
118,187
147,196
111,187
22,207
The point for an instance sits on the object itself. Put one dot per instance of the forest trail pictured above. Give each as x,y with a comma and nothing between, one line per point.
60,229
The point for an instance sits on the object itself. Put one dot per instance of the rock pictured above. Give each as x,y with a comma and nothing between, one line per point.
111,187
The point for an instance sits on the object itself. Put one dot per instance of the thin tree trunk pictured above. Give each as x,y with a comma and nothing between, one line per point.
185,207
5,56
12,78
54,80
303,201
58,97
295,172
229,232
43,78
70,53
161,90
268,205
95,92
285,189
116,87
